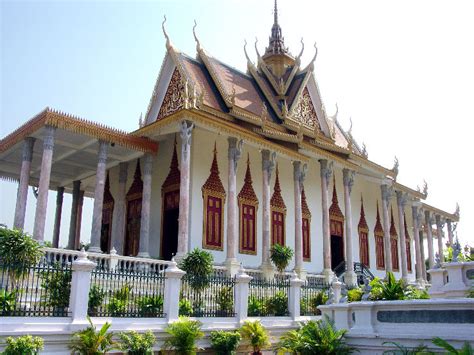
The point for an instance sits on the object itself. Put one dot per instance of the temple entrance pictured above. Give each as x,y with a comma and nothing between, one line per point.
107,213
134,214
337,251
169,244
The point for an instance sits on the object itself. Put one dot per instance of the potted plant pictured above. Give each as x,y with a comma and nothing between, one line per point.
24,345
183,335
92,341
225,343
256,335
280,256
135,343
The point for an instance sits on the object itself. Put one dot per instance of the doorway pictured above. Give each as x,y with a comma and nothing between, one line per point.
169,245
337,251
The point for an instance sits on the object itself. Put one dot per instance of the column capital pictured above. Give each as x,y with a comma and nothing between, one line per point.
28,149
186,130
326,169
299,171
48,139
402,198
123,172
235,150
387,193
268,161
348,178
440,221
148,164
102,155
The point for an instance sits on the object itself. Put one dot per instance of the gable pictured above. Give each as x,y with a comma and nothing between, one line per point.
173,100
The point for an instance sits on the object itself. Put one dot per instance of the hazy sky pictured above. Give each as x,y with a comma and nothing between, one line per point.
403,70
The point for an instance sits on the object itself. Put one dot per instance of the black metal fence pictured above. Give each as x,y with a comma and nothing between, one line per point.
116,293
211,296
268,297
314,292
40,290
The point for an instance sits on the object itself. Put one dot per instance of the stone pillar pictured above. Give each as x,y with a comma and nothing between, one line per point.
22,193
80,286
387,192
429,237
98,198
118,223
234,153
57,216
416,233
80,204
268,164
43,186
350,277
440,226
450,232
422,252
144,251
326,173
295,296
171,292
241,295
401,202
184,188
299,174
76,189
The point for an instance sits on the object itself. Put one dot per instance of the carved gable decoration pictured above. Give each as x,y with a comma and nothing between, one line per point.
335,212
173,100
378,230
136,190
362,221
247,193
305,113
276,201
173,179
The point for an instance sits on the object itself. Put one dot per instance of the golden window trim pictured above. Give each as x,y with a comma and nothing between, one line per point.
365,230
336,218
254,204
205,194
170,188
308,217
282,211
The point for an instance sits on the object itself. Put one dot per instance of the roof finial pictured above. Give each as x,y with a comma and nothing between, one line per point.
168,43
275,13
198,44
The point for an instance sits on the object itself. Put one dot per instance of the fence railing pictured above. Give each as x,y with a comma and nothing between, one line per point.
268,297
314,292
40,290
207,297
119,293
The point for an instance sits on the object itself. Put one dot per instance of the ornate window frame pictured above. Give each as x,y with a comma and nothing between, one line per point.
379,241
394,243
277,208
108,211
306,225
408,246
362,229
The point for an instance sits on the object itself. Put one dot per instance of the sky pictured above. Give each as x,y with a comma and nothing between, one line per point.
402,70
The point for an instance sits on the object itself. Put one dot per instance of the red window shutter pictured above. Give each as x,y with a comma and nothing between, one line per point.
306,240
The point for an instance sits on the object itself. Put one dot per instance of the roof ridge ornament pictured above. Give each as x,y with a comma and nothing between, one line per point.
310,65
396,165
198,44
298,58
168,42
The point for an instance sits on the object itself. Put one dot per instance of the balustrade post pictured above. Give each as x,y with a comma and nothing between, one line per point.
113,259
295,296
241,295
172,289
80,286
337,288
437,280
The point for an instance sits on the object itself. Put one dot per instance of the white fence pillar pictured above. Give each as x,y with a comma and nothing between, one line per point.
437,282
172,289
295,296
337,288
455,287
241,295
80,286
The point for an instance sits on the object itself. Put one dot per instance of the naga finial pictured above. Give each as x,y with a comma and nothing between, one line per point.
334,117
198,44
311,63
168,42
458,210
349,132
140,120
396,165
425,188
246,54
256,50
298,58
365,154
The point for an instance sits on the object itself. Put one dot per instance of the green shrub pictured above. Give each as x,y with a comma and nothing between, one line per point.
96,297
198,267
7,302
256,335
118,303
451,350
280,256
57,284
185,307
150,306
135,343
277,304
184,334
388,290
355,295
91,341
225,300
412,293
225,343
318,299
256,307
24,345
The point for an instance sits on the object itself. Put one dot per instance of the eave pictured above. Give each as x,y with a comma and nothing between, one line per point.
452,216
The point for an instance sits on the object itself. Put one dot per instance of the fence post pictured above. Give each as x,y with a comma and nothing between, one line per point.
241,295
455,287
337,287
113,259
172,289
80,286
295,296
437,282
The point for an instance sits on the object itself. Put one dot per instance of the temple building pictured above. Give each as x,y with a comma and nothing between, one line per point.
231,162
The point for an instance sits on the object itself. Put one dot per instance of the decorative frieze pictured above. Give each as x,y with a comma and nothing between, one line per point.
174,98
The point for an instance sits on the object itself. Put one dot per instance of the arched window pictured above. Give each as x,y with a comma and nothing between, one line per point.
379,243
278,214
363,237
248,206
107,213
407,245
306,227
134,213
336,219
394,243
213,195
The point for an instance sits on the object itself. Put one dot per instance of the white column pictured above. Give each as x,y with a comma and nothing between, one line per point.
387,192
76,191
440,226
326,173
98,198
184,188
429,237
234,153
299,174
450,232
22,193
45,176
146,207
57,216
416,238
401,202
268,164
80,287
422,247
118,223
350,277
